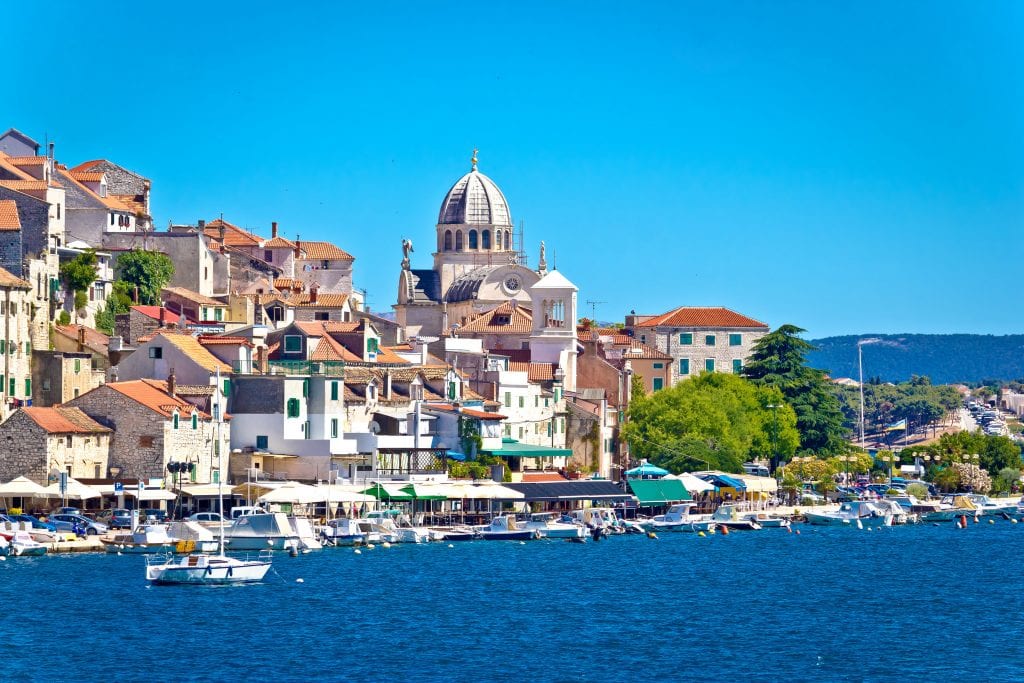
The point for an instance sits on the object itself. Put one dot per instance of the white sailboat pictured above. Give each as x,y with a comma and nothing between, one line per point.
199,568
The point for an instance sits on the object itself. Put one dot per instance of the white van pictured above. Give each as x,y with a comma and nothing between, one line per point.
245,510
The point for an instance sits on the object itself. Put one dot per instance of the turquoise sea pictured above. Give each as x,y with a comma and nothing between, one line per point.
907,604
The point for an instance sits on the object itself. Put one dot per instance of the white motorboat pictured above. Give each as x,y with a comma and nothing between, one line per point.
856,513
303,528
986,506
768,521
728,517
345,532
898,512
204,569
385,521
147,538
950,508
505,528
271,531
23,545
549,527
679,517
604,519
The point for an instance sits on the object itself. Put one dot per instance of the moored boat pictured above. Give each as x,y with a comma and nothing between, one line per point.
22,544
679,517
549,527
767,521
728,517
857,512
206,569
505,528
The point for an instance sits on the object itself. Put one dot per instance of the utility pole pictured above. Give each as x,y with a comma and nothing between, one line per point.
593,308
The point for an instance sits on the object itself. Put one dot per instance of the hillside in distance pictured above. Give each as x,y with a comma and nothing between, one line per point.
945,358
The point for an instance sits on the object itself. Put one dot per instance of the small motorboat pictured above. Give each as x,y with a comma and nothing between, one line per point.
549,526
458,533
679,518
856,513
728,517
147,538
505,528
23,545
768,521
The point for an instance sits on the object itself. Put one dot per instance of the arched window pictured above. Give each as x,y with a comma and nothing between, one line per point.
508,240
497,239
458,240
487,239
472,239
447,240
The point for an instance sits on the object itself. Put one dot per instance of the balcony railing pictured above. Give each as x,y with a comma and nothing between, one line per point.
293,367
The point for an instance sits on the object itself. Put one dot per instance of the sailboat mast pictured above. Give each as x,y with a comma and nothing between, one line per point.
218,418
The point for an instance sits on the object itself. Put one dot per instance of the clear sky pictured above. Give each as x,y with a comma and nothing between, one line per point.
846,167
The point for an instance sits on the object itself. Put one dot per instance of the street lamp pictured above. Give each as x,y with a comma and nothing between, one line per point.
775,434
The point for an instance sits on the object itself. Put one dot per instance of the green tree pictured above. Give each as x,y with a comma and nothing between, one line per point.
149,271
714,420
779,359
79,273
118,301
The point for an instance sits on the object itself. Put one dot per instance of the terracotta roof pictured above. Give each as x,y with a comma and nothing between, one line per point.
64,420
505,319
27,161
9,215
195,351
86,176
329,348
278,243
152,394
12,169
319,328
288,283
234,236
541,372
34,188
93,338
536,477
468,412
223,341
109,201
86,165
324,251
302,300
8,280
154,313
195,297
702,316
632,348
386,355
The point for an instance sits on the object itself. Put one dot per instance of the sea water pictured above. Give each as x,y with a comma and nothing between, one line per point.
915,603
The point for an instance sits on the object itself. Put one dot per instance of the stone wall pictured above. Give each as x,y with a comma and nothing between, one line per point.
57,378
15,361
34,215
27,450
667,341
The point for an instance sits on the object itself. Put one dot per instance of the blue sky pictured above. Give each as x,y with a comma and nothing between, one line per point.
846,167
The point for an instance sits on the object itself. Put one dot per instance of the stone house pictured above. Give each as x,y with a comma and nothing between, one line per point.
59,376
142,321
35,441
83,339
171,352
194,306
15,343
698,338
154,426
126,186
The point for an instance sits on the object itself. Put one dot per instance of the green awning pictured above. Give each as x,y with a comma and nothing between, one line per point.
510,448
421,493
387,492
658,491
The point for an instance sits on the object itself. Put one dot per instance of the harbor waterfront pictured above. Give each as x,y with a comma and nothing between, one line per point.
825,604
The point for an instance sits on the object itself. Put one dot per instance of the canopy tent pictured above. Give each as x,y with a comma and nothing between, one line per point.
74,489
582,489
389,491
344,494
652,492
724,481
424,492
294,492
691,483
757,484
646,470
150,494
494,491
22,487
510,448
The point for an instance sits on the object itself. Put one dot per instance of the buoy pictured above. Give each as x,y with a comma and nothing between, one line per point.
651,534
370,546
699,533
725,531
797,532
789,529
991,521
357,551
522,542
450,545
860,525
963,521
1013,521
300,581
385,544
2,558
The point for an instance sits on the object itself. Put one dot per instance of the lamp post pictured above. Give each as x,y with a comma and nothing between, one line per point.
775,435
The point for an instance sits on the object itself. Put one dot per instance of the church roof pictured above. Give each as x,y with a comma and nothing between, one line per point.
505,319
424,286
554,280
474,199
466,286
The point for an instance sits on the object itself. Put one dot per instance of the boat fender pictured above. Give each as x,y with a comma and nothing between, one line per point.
797,532
1013,521
651,534
789,529
209,570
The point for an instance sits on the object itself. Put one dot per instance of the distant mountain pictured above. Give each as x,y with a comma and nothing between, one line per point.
945,358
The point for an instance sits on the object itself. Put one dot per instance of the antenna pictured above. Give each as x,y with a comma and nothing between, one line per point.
593,308
522,259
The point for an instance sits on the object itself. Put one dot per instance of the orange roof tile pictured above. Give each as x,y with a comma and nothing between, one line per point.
386,355
302,300
27,161
152,394
195,351
64,420
505,319
469,412
34,188
109,201
234,236
86,165
9,215
702,316
634,349
12,169
288,283
278,243
194,297
324,251
7,279
329,348
154,313
87,176
93,338
224,341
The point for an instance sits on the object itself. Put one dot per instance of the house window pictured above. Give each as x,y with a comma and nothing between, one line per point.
293,407
522,402
13,385
156,352
508,430
737,366
2,385
334,391
643,338
111,218
292,343
451,391
174,420
487,239
709,340
28,388
321,315
268,255
334,428
686,339
262,442
472,239
307,430
546,400
226,389
458,240
195,421
508,399
216,476
709,365
218,314
3,346
78,365
536,401
372,345
206,313
735,339
447,240
657,383
305,388
67,441
659,366
684,366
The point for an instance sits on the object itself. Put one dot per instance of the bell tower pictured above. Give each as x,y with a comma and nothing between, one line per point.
553,338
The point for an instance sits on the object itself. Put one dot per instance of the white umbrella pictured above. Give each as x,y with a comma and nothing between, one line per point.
75,489
336,494
294,492
22,487
496,492
691,483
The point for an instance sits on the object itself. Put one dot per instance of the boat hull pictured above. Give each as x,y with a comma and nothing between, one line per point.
203,570
524,535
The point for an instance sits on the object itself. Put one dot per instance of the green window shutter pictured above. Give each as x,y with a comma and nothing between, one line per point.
227,387
206,313
13,384
686,339
737,366
305,388
735,339
657,383
451,391
262,442
28,388
709,365
522,402
195,421
334,391
216,476
218,314
684,366
508,399
334,428
2,385
293,407
174,421
3,346
709,340
659,366
78,365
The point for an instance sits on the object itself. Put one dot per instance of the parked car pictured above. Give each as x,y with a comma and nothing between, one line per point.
117,518
66,511
77,524
153,515
36,523
207,518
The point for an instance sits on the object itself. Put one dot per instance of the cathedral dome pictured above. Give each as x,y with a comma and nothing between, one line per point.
474,200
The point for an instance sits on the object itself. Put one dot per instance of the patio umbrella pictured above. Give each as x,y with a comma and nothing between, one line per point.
691,483
22,487
294,492
646,470
75,489
388,492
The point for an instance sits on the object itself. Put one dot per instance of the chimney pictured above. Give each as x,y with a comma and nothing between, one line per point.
222,232
387,385
202,224
171,383
298,246
261,359
81,338
273,229
163,317
313,289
